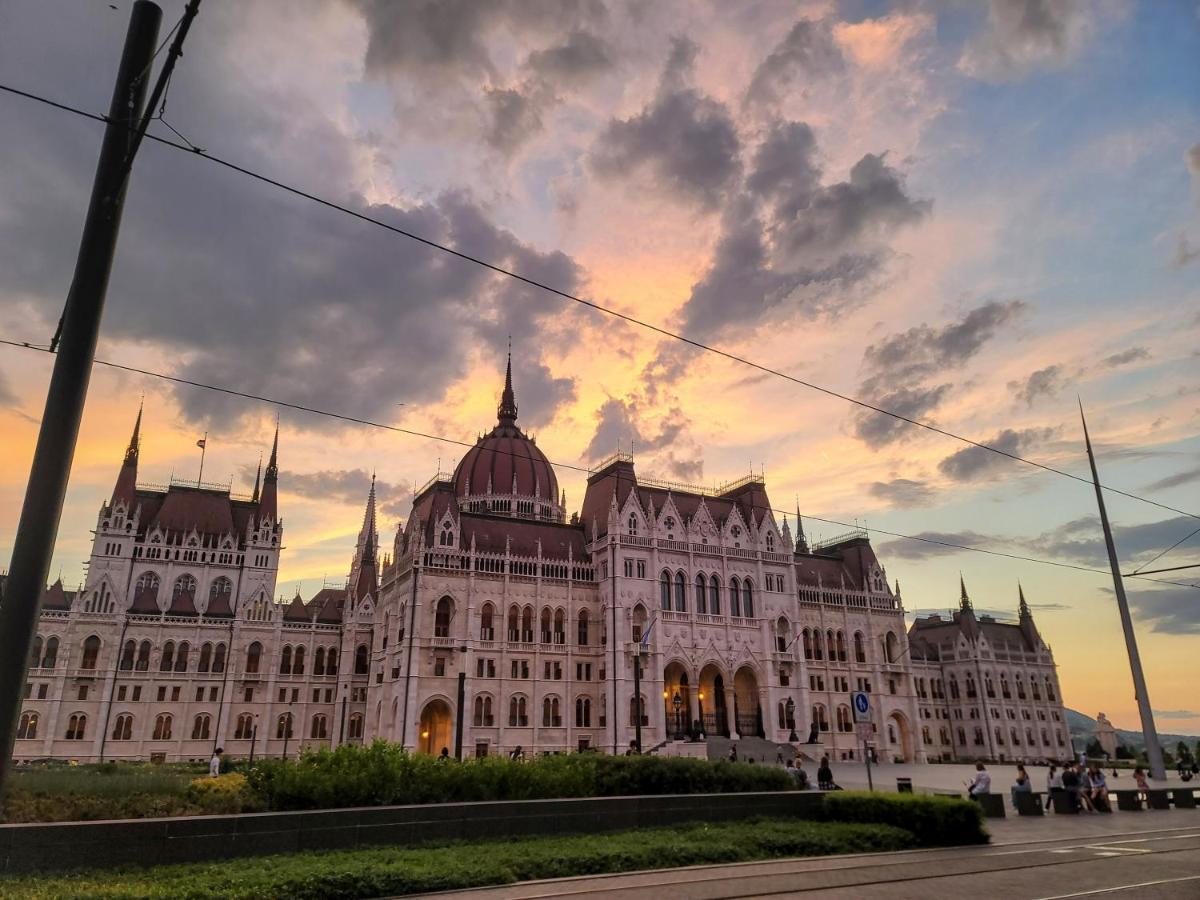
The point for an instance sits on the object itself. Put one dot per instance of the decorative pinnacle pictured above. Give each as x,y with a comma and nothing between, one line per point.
273,463
964,601
131,452
507,413
1022,606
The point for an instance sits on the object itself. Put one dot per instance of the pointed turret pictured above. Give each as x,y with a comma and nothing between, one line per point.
1022,607
127,479
801,540
257,481
1025,620
507,411
268,506
964,602
364,571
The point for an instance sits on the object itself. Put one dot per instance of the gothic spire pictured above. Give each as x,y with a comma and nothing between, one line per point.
126,485
269,500
131,452
801,540
507,412
257,480
364,574
964,602
1022,607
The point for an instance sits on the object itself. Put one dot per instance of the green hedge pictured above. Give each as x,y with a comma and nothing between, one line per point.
384,774
936,821
390,871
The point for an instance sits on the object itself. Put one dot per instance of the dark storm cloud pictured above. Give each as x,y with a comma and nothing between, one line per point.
667,449
1081,540
685,141
1022,36
513,117
347,486
1170,610
974,463
1133,354
1045,382
582,56
919,359
903,492
932,544
243,286
807,53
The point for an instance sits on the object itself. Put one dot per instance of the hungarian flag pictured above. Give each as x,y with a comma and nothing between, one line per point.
200,443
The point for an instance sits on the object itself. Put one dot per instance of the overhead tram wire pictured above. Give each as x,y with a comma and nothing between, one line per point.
357,420
589,304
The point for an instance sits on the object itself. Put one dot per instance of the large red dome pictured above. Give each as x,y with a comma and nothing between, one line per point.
505,468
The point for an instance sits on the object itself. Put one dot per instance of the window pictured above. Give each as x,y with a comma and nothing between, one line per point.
123,728
714,595
253,656
628,568
582,637
551,714
446,538
843,719
181,657
50,657
127,655
360,660
441,618
91,651
483,712
27,729
355,731
245,727
200,727
285,661
701,595
319,661
283,726
205,661
819,717
664,590
219,593
76,727
517,715
841,646
1050,690
162,727
680,595
147,585
641,568
633,524
185,589
487,629
637,710
806,639
735,598
439,666
770,542
298,662
331,661
748,601
583,712
320,728
560,633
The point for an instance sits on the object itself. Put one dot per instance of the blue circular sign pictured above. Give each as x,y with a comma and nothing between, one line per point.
861,703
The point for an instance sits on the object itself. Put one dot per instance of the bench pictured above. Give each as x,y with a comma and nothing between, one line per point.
992,805
1029,804
1185,798
1158,799
1062,803
1128,801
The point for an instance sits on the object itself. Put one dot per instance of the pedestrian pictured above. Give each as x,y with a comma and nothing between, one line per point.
1070,782
798,774
1054,784
733,753
444,756
1021,785
517,753
1139,779
1099,790
214,764
825,776
982,784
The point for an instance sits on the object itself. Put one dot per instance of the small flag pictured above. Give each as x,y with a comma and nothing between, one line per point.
646,636
200,443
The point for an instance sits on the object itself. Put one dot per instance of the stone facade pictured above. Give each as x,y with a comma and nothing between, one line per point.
496,604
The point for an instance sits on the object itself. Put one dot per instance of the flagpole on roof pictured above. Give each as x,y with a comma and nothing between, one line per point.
203,445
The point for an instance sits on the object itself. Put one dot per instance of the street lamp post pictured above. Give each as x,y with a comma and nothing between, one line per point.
677,702
253,738
287,728
790,707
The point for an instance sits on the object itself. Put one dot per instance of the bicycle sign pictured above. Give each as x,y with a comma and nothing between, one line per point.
861,701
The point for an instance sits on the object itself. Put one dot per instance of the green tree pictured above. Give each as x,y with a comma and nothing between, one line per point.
1094,749
1183,753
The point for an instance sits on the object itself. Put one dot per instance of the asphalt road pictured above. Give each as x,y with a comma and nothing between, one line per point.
1144,857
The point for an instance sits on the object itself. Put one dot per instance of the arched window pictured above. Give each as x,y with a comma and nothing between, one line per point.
27,729
205,661
285,661
680,593
253,657
664,590
162,727
320,727
35,652
487,628
127,655
185,588
319,661
166,662
181,657
639,621
123,728
1037,691
283,726
637,710
891,647
219,592
50,657
200,727
843,719
298,662
91,652
783,635
76,727
701,594
551,714
560,627
831,645
514,626
735,598
860,647
714,595
478,719
361,666
517,714
583,712
143,657
331,661
446,538
818,641
841,646
544,622
527,625
633,524
582,637
1050,690
819,717
747,599
147,585
441,617
355,731
806,638
245,727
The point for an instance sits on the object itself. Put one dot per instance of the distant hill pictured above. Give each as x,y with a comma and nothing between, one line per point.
1082,728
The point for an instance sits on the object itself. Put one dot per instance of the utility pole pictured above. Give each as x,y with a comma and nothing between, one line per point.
42,509
1149,732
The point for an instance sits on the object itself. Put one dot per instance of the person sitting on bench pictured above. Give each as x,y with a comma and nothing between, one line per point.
982,783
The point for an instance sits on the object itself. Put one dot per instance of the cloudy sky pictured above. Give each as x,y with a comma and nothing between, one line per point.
967,213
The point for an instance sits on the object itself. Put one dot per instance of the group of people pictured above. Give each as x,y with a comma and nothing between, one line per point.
1086,786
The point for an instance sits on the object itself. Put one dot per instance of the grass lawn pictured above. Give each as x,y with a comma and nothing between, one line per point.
386,870
59,793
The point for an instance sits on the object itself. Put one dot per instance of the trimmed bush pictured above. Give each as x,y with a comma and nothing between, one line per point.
389,871
935,821
384,774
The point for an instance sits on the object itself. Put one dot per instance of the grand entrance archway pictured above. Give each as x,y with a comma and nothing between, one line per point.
714,709
435,732
899,736
746,702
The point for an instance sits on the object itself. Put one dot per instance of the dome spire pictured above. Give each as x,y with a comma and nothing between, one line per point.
507,413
